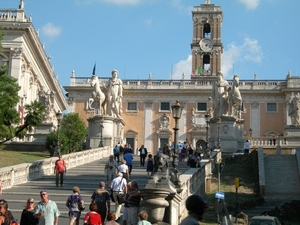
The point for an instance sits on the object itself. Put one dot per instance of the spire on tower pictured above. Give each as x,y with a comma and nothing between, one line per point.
207,2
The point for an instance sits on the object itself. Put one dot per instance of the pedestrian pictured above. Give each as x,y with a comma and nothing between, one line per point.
127,148
125,200
27,216
143,155
119,187
10,215
102,199
111,217
179,148
196,206
75,204
247,146
150,165
134,199
5,217
123,168
46,210
159,151
193,160
129,157
92,217
143,216
111,168
59,169
116,154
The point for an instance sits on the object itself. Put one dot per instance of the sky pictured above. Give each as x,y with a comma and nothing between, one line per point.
138,37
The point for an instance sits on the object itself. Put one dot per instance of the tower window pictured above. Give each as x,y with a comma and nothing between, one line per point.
206,30
206,62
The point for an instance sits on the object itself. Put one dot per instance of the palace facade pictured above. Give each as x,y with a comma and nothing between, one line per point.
28,62
147,103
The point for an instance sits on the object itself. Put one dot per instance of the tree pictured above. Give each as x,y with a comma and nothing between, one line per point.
51,142
72,133
9,115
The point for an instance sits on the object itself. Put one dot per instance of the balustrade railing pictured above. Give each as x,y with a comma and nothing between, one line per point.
22,173
267,142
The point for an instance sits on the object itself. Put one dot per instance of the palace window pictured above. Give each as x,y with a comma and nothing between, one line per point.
271,107
132,106
165,106
201,106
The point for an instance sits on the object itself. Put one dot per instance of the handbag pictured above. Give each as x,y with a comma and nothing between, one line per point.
120,198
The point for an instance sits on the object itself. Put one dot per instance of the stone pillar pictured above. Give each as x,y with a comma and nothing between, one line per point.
154,202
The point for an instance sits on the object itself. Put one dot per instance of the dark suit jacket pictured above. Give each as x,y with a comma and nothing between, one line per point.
140,150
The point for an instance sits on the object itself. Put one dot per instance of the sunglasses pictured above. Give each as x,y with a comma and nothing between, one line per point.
43,194
30,202
1,207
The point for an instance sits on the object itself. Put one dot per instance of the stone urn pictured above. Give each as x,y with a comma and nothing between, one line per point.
154,202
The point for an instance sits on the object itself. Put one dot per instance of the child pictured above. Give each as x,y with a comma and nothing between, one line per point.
149,165
143,218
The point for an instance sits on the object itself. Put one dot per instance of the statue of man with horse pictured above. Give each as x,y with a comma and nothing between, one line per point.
98,96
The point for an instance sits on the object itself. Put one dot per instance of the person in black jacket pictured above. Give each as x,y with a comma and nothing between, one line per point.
143,155
27,217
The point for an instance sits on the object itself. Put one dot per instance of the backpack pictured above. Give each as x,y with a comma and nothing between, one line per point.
75,201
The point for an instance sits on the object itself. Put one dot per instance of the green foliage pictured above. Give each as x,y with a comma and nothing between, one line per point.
72,133
9,115
51,142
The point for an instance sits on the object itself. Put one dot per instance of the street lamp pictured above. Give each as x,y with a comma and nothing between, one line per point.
59,118
101,135
207,117
176,113
250,132
219,124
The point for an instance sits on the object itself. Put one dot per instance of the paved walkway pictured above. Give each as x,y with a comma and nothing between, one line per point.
86,177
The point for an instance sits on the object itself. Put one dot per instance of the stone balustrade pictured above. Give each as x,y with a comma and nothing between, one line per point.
24,172
256,142
188,84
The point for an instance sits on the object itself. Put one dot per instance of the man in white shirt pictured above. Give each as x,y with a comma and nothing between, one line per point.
118,186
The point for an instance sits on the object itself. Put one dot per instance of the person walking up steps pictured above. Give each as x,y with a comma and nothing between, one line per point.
150,165
59,169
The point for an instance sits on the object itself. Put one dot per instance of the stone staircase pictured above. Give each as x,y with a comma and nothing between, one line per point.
281,183
282,176
86,177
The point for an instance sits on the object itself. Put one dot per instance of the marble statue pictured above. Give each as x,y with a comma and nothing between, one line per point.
294,109
98,96
219,95
114,95
234,99
164,121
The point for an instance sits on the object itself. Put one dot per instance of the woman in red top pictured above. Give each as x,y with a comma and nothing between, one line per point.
92,217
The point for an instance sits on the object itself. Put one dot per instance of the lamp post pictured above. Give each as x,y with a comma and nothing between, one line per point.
59,118
101,135
176,113
250,132
207,126
218,125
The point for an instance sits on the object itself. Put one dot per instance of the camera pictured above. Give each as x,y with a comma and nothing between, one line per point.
111,167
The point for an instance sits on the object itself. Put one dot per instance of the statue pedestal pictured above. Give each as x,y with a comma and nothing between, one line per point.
230,134
292,135
107,128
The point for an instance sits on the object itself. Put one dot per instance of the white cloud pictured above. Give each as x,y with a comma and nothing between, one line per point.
50,30
184,66
250,50
148,21
250,4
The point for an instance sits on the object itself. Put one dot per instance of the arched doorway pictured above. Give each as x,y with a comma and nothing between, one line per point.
200,146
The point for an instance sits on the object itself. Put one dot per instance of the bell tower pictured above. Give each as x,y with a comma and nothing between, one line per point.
206,46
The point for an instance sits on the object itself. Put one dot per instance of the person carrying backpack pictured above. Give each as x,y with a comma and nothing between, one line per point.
75,205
